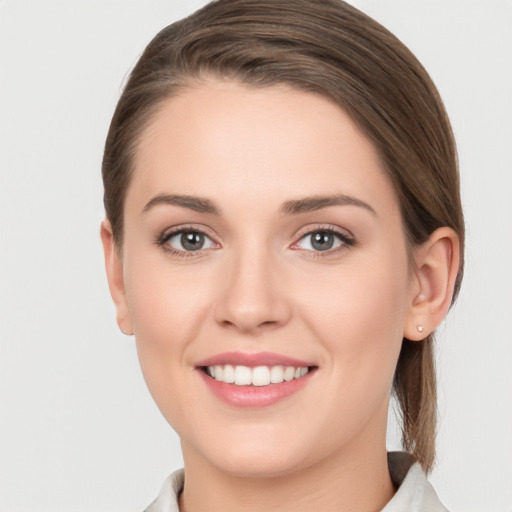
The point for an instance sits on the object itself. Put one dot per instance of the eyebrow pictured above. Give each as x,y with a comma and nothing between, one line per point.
292,207
198,204
309,204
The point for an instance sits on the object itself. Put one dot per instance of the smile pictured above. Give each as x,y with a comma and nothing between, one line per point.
255,380
257,376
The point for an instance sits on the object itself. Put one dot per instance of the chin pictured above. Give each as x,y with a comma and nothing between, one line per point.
258,456
259,466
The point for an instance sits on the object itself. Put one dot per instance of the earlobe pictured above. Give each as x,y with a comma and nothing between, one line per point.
436,267
114,269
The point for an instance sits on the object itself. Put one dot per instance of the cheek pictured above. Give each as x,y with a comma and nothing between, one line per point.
358,314
167,311
358,318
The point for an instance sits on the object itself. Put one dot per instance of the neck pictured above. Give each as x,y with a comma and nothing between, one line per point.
344,482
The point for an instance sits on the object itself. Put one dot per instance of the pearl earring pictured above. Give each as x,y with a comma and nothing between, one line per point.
420,328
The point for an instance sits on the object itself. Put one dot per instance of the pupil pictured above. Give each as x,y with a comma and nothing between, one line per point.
192,241
322,241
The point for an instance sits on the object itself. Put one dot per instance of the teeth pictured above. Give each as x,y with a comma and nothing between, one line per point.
243,376
261,376
276,374
218,373
258,376
228,374
289,373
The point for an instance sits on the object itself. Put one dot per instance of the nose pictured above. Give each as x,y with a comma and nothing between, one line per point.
253,297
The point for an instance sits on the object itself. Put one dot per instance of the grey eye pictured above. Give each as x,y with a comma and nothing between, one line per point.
190,241
320,241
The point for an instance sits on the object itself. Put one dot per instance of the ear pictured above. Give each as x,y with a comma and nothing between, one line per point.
436,267
114,268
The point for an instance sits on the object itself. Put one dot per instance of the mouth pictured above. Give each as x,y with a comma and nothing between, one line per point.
259,376
254,380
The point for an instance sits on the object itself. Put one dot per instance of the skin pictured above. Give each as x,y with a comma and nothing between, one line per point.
258,285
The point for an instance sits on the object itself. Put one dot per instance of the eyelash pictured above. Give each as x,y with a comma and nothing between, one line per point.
347,241
163,239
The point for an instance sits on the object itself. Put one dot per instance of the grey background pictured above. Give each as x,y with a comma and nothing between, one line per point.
78,430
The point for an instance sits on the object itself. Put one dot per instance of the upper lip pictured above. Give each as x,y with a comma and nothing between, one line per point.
252,360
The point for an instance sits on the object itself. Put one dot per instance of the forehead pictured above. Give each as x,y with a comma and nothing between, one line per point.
232,142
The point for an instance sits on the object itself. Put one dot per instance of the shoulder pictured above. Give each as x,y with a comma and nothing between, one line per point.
414,492
167,500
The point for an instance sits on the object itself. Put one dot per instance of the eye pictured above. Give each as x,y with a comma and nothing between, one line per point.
188,241
323,240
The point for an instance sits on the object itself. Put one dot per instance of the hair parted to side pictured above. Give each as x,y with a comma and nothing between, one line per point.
330,48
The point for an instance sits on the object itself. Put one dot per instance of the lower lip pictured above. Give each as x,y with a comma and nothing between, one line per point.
254,396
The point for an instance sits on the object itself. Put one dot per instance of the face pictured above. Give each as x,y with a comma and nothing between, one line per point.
263,245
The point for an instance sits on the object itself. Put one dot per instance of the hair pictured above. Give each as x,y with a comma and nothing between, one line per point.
326,47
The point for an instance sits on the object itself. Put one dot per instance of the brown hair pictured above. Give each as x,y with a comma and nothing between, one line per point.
329,48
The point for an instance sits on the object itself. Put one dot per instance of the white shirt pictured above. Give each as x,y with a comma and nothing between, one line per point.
414,492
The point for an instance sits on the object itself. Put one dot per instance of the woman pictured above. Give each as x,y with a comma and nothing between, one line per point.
283,235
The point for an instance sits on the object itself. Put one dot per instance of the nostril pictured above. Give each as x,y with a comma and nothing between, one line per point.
249,307
249,324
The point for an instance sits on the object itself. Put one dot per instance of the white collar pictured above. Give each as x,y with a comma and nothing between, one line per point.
414,494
